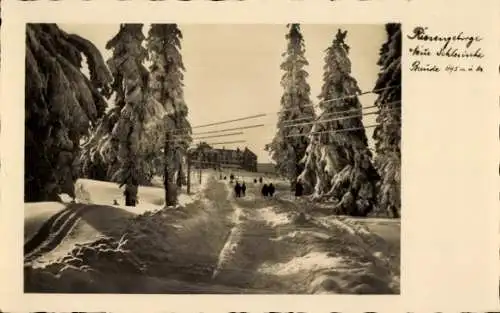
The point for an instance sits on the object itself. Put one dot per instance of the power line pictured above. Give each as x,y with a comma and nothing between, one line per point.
360,94
294,120
230,121
347,111
221,135
335,131
180,139
327,114
333,113
226,129
340,98
318,121
285,109
339,118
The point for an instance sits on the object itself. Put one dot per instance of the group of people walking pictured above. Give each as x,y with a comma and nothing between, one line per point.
268,190
240,190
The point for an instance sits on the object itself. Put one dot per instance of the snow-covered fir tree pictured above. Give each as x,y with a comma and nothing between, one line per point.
133,129
387,134
130,84
338,162
166,88
296,111
60,104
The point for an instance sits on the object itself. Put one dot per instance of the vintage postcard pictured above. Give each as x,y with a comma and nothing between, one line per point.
190,157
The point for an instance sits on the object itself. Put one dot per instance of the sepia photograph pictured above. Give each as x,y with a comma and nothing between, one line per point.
212,158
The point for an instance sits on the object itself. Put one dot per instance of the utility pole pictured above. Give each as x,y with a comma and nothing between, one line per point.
200,162
188,173
165,167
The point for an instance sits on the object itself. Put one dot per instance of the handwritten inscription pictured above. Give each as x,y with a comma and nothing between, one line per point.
450,53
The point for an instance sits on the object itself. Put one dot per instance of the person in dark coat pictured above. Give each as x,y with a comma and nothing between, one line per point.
243,189
271,189
225,177
255,180
237,190
299,189
260,180
265,190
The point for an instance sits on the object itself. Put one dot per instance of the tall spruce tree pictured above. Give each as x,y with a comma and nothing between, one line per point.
166,86
338,161
387,134
131,130
124,146
130,87
296,111
60,104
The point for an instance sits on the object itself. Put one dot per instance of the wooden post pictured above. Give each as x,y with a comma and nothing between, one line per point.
201,161
188,174
200,175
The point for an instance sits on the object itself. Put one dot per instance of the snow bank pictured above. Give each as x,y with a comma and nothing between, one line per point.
151,198
35,214
104,193
143,254
80,269
99,196
294,235
330,254
271,217
233,240
311,262
91,222
215,239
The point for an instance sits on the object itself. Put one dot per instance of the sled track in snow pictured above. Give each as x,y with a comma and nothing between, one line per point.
233,238
364,237
53,231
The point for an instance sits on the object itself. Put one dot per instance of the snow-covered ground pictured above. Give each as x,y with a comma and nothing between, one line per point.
104,193
150,198
37,213
271,249
172,244
212,243
99,213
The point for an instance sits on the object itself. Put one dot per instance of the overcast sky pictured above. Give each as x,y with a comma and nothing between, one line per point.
234,71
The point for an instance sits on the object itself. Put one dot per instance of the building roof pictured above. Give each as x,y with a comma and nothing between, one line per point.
246,150
204,146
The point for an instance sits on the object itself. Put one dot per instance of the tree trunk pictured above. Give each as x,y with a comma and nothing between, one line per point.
188,176
165,171
131,194
179,176
166,185
170,192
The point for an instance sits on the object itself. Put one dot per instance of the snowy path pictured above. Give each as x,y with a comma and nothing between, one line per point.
274,251
221,244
